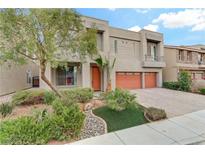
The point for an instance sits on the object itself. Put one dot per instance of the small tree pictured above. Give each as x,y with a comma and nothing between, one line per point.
41,34
105,63
184,81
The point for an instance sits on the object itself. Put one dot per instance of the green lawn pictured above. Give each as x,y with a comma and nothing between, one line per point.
120,120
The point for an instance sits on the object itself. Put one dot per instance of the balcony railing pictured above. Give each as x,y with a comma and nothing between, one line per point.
149,58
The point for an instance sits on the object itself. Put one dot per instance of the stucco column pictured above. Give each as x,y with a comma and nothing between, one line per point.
159,79
143,79
86,81
43,85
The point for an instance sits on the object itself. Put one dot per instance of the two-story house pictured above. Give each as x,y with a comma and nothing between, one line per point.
188,58
139,60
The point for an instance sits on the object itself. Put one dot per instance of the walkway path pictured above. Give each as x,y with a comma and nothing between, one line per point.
186,129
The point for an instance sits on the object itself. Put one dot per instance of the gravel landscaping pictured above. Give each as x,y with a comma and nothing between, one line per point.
93,126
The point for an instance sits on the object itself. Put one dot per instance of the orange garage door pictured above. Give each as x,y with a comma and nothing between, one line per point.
150,80
128,80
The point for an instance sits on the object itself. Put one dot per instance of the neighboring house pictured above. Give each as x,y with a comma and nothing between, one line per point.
16,77
188,58
139,60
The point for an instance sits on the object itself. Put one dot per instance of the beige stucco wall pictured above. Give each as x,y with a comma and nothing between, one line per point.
132,47
171,70
14,78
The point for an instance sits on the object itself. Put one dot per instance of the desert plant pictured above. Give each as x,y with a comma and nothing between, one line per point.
78,95
184,80
49,97
64,123
154,114
28,97
202,91
120,99
5,109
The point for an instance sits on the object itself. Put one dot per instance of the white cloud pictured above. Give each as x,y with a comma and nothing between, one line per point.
193,18
151,27
112,9
143,11
135,28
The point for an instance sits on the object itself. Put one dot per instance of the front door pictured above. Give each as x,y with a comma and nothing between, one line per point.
96,78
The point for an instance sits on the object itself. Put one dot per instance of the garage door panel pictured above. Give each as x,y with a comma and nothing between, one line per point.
128,80
150,80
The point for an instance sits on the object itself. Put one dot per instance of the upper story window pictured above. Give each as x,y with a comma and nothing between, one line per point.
100,41
181,55
200,57
115,46
189,56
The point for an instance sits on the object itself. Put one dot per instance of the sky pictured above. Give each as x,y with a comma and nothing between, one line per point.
179,26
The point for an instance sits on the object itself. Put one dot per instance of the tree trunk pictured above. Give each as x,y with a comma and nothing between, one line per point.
44,78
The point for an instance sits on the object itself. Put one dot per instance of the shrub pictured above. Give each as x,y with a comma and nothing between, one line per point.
65,122
78,95
49,97
25,130
119,99
67,119
155,113
184,80
171,85
202,91
5,109
28,97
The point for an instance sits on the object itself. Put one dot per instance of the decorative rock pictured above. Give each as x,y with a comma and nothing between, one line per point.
88,106
93,126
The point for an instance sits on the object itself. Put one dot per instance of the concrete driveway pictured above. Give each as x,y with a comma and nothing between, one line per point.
175,103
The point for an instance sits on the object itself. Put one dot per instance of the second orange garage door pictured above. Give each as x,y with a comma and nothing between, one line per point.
150,80
128,80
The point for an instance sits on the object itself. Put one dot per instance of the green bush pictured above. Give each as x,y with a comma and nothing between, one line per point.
119,99
184,80
49,97
64,123
78,95
155,113
171,85
202,91
67,119
28,97
25,130
5,109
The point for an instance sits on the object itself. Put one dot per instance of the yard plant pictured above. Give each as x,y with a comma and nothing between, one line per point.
64,123
202,91
5,109
183,84
120,99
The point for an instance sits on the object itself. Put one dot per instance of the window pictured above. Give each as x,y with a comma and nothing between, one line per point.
189,56
199,57
28,77
100,41
181,55
66,76
115,46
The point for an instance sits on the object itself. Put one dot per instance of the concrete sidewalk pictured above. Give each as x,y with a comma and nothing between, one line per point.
186,129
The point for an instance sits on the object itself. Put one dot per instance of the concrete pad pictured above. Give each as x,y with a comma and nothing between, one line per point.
172,130
191,124
191,141
143,135
106,139
200,113
195,117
